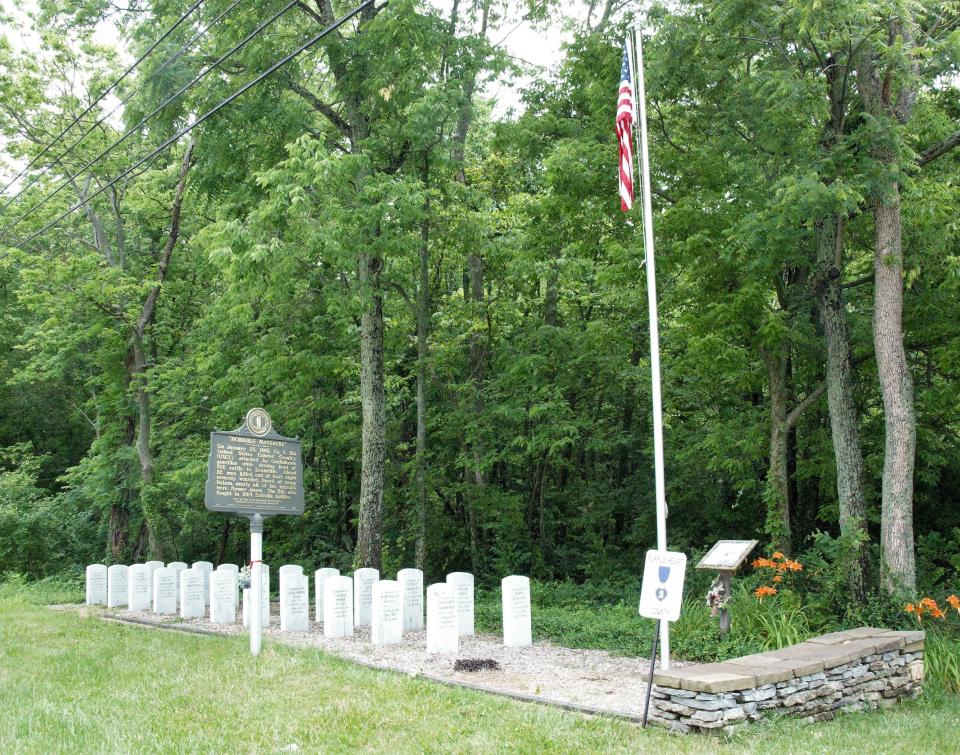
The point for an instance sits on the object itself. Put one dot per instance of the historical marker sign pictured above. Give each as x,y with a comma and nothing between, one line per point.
727,555
254,470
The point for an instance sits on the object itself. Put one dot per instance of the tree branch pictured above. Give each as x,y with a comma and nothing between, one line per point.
322,107
805,404
940,148
146,314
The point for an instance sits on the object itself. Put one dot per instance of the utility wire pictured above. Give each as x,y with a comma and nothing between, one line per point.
131,131
212,111
105,92
166,64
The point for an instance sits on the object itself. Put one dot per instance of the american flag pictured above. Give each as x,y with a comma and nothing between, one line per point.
625,133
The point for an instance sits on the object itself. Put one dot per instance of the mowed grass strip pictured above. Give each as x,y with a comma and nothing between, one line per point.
74,684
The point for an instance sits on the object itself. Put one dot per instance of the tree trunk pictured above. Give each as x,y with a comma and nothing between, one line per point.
423,316
847,452
897,561
886,79
374,410
778,517
477,375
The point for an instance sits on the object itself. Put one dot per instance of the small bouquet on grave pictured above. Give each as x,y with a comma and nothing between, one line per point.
717,597
244,577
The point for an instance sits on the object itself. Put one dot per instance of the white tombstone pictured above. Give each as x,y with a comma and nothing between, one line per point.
442,635
177,567
139,587
462,584
264,598
515,595
319,576
207,568
153,566
282,573
221,598
191,594
96,585
363,581
116,586
295,608
386,616
235,571
338,607
411,598
165,591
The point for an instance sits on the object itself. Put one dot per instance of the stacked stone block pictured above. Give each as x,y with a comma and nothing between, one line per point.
843,671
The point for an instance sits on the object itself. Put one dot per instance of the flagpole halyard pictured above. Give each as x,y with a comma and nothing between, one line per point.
635,54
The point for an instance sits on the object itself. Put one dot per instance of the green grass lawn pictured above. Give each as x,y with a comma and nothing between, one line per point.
75,684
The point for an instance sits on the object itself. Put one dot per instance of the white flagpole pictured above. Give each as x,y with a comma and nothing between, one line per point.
640,101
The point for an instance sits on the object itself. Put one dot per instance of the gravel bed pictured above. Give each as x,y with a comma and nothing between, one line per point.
552,673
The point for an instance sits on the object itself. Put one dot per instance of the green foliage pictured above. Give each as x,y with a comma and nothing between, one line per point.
58,589
941,660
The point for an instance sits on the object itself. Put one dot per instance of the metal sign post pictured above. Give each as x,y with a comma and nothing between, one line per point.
256,582
661,596
255,472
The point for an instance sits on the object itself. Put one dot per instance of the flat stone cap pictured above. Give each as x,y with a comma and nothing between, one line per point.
810,657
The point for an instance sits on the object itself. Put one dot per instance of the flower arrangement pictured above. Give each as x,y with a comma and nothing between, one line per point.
717,597
781,566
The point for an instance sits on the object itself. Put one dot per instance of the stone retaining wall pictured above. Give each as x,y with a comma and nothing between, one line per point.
843,671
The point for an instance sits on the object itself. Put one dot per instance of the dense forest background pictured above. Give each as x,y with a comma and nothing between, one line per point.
449,308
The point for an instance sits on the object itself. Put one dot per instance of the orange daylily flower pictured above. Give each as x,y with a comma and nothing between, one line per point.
778,555
910,608
764,563
954,601
762,592
778,578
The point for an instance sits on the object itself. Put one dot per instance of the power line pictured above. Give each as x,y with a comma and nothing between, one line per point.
166,64
131,131
186,129
105,92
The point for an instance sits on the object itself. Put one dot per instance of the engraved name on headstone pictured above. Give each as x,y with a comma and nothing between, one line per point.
363,581
139,587
515,595
178,566
116,586
387,614
442,636
411,596
165,591
235,571
338,607
96,594
295,611
319,577
282,573
206,568
462,584
221,598
192,604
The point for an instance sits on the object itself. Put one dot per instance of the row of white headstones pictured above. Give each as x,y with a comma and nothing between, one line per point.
389,607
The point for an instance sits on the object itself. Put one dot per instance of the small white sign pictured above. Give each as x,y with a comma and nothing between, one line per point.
662,590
